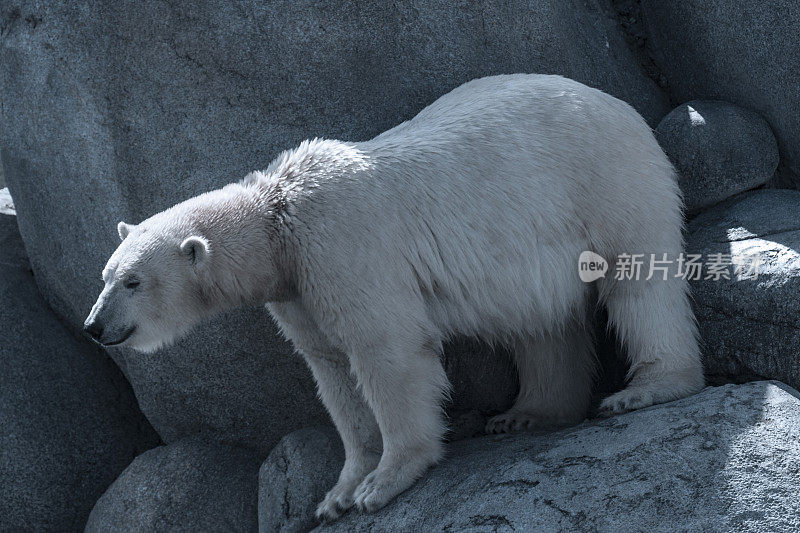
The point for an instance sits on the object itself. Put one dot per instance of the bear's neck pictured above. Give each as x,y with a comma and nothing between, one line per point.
250,260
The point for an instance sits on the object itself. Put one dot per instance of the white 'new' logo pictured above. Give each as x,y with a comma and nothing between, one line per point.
591,266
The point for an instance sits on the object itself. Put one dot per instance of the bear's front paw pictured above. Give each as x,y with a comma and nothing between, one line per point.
338,500
377,489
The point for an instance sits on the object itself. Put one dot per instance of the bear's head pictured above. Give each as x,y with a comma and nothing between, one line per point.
180,267
151,288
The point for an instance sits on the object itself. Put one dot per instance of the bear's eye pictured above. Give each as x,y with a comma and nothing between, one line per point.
131,283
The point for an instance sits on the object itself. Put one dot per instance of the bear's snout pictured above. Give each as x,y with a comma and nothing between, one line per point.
94,328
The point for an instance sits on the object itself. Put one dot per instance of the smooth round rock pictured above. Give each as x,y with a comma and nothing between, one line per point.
733,50
719,150
190,485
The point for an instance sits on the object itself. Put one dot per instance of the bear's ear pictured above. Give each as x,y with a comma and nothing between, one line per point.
196,248
124,229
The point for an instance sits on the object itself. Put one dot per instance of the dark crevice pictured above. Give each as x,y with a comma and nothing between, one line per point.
628,14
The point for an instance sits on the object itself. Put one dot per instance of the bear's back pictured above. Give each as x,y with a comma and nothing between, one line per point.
498,187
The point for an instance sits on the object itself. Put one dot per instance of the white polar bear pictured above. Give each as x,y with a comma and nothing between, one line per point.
467,219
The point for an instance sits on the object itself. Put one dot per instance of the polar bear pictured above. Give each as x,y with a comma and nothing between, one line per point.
467,219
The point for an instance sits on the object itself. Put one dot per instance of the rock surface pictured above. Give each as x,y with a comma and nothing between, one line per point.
190,485
724,460
751,325
233,379
719,150
295,477
159,102
734,50
68,420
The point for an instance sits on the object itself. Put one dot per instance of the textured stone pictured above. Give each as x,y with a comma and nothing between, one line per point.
734,50
234,379
295,477
719,150
751,327
68,420
190,485
158,102
726,459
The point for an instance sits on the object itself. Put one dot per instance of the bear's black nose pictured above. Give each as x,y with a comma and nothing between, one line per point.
94,328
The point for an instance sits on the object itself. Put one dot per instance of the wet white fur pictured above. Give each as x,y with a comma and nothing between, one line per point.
467,219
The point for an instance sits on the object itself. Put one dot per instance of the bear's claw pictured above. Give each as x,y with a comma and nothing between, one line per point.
336,503
522,420
372,494
625,400
508,422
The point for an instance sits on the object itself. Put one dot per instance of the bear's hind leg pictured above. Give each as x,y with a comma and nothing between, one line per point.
655,324
556,372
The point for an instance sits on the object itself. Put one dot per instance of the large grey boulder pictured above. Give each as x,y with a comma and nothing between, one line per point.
719,150
68,420
190,485
298,473
750,323
117,110
233,379
723,460
739,51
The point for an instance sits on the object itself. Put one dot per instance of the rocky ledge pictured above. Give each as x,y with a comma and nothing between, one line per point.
725,459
